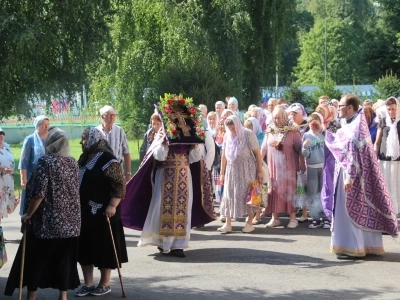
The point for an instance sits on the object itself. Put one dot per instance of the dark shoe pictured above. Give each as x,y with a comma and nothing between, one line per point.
345,256
315,224
200,228
84,291
161,250
177,253
101,290
326,224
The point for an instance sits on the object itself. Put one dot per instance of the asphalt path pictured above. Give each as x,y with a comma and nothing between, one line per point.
273,263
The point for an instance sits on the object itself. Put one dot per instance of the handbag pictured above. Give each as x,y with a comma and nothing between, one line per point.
264,193
301,190
3,252
254,195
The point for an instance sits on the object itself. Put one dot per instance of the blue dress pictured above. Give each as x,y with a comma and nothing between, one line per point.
26,162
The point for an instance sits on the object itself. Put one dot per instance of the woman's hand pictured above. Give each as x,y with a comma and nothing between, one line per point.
222,178
307,143
260,176
6,170
110,211
348,185
26,219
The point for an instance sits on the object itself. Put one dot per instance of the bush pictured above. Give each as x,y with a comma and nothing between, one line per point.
295,95
327,88
388,85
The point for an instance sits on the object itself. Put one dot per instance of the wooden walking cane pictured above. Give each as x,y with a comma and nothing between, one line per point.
116,258
21,274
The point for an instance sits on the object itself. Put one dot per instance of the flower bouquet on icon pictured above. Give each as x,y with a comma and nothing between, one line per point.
182,121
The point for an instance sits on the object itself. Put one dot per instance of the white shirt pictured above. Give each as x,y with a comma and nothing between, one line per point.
117,140
207,150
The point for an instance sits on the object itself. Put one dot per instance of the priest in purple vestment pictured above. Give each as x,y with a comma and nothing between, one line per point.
172,191
361,208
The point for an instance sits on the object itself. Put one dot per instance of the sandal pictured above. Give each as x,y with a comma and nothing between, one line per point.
256,221
273,223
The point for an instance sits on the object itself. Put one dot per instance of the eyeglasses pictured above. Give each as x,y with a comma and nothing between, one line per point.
111,115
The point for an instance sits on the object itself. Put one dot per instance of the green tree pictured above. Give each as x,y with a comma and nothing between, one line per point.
46,46
382,40
340,57
204,49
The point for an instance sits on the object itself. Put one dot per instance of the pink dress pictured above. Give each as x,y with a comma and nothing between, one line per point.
238,176
283,166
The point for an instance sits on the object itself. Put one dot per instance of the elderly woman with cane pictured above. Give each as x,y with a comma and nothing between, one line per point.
102,186
52,222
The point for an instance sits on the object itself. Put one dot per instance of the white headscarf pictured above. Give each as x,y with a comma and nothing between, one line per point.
256,125
38,146
234,143
392,142
213,130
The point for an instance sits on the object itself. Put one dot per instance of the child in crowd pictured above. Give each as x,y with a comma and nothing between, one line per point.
155,123
313,151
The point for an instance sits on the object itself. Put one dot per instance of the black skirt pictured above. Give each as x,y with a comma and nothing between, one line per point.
49,263
95,245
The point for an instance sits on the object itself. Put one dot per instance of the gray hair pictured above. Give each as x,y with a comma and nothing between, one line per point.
220,103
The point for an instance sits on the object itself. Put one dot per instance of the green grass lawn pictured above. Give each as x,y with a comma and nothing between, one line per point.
76,151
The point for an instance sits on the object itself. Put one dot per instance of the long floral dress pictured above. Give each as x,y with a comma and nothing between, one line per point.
7,196
238,176
283,166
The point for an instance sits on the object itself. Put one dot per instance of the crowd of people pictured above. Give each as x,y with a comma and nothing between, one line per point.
70,209
74,211
331,147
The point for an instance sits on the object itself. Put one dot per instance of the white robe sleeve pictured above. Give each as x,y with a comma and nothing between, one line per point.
194,155
160,153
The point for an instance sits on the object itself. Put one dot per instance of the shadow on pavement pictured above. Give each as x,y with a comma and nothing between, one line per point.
246,255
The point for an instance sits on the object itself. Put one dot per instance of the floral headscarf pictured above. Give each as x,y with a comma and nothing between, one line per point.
280,132
299,109
95,143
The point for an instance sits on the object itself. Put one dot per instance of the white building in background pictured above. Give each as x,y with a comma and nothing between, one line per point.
60,104
363,91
